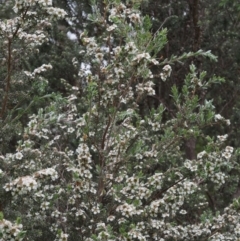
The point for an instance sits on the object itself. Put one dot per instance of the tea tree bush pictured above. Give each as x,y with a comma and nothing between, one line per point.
91,166
20,37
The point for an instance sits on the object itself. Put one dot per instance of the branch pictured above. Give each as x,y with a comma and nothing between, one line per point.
9,66
158,194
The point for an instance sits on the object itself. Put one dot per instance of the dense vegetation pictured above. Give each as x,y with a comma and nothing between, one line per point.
117,122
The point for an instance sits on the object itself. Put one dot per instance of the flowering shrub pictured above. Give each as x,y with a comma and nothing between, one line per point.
10,231
20,37
91,167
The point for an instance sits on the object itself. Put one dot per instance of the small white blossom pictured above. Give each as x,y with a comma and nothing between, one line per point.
201,154
167,70
183,212
222,138
228,122
135,18
70,130
218,117
110,218
19,156
139,57
111,28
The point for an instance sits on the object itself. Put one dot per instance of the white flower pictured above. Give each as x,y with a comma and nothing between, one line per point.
110,218
47,172
218,117
70,130
72,97
183,212
42,68
95,210
99,56
117,50
57,137
130,47
190,165
139,57
229,149
45,2
126,209
57,13
63,237
119,72
167,70
135,18
227,155
45,205
201,154
154,61
19,156
222,138
112,27
228,122
139,156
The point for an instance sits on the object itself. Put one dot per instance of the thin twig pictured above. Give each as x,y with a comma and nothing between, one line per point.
9,67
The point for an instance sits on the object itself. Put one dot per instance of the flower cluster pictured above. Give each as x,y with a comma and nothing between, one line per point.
220,118
84,162
128,210
38,70
56,13
122,12
62,237
38,38
8,27
145,56
51,172
167,70
22,185
20,5
146,88
11,231
211,162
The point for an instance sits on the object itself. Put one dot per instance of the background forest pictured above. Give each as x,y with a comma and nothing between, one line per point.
119,120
